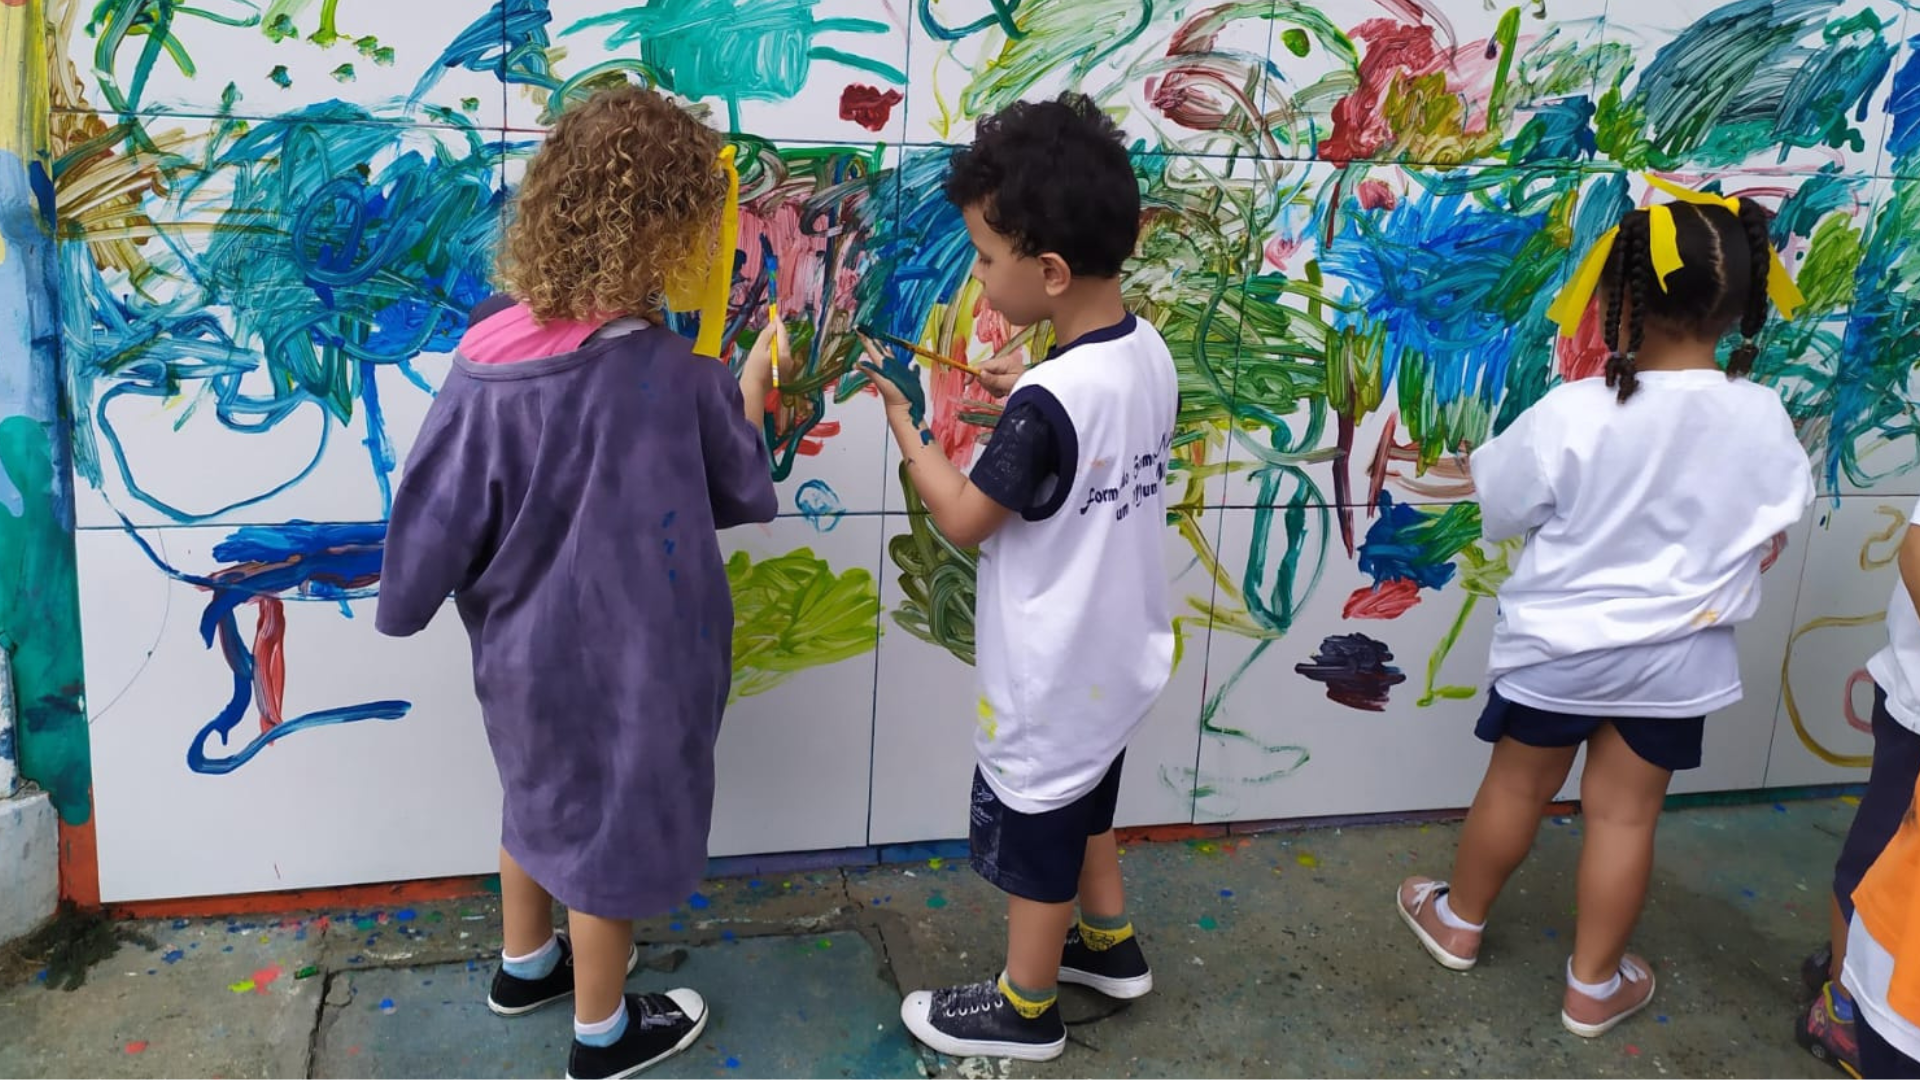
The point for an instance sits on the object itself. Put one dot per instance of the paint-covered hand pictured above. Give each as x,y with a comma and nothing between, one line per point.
1000,373
873,366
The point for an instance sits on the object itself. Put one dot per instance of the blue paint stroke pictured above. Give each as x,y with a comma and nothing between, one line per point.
299,560
1400,547
819,505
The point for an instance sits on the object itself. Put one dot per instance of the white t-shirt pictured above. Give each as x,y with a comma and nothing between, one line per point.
1867,974
1074,633
1646,524
1896,668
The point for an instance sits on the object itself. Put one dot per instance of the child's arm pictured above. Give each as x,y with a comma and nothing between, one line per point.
440,528
1511,482
962,512
739,473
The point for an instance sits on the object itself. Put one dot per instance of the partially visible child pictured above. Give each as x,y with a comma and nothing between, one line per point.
565,489
1883,955
1074,632
1896,769
1648,501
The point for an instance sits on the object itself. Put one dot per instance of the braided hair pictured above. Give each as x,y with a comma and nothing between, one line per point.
1722,280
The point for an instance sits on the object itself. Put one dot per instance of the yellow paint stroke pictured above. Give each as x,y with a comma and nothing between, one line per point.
988,722
1868,561
1813,745
24,115
1895,528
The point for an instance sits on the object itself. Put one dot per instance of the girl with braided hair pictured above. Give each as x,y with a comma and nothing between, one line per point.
1648,499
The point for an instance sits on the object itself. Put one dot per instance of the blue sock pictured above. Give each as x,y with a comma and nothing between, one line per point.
537,964
606,1032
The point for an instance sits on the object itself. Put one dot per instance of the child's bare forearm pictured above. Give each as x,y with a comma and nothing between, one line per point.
937,480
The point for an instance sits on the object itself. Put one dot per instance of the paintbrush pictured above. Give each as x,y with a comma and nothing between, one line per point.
924,353
773,308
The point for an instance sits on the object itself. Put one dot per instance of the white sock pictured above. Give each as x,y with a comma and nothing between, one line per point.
1597,991
1450,920
537,964
604,1032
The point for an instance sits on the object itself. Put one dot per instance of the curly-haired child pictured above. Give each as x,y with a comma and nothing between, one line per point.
565,490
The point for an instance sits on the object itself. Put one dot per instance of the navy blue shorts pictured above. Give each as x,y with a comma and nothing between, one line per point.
1670,744
1896,768
1038,856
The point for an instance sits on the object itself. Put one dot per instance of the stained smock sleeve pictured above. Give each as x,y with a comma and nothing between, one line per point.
739,472
441,530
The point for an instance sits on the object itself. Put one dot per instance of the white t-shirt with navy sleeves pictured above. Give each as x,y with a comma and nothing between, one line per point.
1646,524
1074,634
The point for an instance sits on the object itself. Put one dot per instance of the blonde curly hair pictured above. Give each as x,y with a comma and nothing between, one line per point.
621,204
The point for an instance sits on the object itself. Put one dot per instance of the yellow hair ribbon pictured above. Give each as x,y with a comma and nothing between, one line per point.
1663,248
713,302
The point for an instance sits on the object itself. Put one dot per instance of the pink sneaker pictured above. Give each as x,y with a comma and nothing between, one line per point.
1454,948
1591,1018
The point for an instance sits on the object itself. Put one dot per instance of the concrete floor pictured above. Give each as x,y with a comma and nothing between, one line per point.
1275,955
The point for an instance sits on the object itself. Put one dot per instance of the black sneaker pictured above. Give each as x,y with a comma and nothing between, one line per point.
658,1027
514,996
978,1021
1119,972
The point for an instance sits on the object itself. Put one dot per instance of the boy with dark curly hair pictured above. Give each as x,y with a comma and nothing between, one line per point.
565,489
1074,631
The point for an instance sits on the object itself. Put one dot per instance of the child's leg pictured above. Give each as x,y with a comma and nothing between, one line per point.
1620,798
526,909
1501,825
1034,934
1102,896
601,948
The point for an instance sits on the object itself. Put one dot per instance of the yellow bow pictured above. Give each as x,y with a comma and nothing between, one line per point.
708,293
1663,248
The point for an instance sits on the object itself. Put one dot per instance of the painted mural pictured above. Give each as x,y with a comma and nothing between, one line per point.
271,219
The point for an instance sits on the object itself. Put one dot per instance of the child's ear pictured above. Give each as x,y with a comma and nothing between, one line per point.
1055,272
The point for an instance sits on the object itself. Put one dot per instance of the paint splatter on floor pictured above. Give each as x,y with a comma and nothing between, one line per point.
1207,922
936,901
387,1006
138,1046
1307,859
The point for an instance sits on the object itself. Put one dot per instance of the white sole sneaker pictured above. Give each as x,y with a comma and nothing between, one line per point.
914,1012
693,1005
1130,989
1594,1031
1446,959
633,961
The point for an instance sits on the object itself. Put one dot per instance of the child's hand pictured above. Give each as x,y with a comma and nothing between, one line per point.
1000,373
872,368
756,378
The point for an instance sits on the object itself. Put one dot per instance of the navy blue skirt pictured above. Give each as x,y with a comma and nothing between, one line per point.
1670,744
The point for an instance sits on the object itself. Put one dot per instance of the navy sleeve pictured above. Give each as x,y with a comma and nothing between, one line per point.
1029,462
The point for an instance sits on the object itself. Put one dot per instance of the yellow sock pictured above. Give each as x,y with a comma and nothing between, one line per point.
1105,936
1028,1003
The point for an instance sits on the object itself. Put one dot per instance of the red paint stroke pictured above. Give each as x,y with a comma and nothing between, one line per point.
1776,547
1398,52
1280,249
138,1046
868,106
1387,600
270,661
1201,91
1854,719
1584,355
992,327
264,976
1375,195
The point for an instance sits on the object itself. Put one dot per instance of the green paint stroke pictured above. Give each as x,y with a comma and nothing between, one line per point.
40,617
937,578
736,50
791,612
